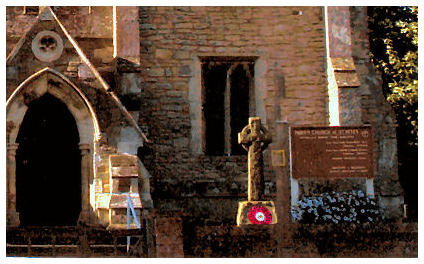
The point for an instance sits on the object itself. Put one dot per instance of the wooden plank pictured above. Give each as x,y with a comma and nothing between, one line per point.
103,200
123,160
120,201
124,172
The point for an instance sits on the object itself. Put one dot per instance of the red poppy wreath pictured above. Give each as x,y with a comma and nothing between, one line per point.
259,215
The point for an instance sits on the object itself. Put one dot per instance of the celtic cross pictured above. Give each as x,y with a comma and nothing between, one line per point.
255,138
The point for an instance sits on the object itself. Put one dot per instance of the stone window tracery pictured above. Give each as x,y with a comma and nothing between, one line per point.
47,46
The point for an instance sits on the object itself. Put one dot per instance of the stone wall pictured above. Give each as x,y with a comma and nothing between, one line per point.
92,30
308,241
362,104
76,64
375,110
169,237
163,93
289,72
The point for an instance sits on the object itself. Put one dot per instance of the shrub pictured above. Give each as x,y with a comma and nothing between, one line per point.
337,207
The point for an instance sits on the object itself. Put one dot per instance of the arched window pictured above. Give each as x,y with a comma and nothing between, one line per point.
228,101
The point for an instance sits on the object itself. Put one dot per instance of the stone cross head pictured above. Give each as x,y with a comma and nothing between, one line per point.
254,132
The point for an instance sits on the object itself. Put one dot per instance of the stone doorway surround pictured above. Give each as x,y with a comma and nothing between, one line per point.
55,83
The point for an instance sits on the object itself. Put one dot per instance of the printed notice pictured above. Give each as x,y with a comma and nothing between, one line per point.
332,152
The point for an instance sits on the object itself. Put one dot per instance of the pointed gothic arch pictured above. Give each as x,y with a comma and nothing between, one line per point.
50,81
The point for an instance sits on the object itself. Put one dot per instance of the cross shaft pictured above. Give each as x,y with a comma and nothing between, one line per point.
255,138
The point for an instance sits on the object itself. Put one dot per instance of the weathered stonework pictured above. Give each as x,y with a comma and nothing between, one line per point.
154,68
364,104
376,111
172,100
68,75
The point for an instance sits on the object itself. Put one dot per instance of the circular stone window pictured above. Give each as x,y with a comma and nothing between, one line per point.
47,46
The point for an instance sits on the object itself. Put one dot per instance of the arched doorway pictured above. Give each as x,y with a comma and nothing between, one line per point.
48,165
51,93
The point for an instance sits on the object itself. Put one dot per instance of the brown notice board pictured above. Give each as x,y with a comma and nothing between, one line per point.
332,152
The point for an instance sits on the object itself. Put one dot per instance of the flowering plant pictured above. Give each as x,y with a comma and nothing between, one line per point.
336,207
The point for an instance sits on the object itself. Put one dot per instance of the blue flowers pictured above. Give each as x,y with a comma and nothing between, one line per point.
335,207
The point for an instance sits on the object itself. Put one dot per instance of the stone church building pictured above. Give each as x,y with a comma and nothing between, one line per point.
111,106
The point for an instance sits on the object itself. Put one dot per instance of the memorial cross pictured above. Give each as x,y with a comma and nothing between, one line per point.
255,138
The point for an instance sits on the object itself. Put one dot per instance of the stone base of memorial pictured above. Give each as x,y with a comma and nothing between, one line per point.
256,213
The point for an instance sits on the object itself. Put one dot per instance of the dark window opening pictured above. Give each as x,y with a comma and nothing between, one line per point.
240,88
214,79
48,165
228,100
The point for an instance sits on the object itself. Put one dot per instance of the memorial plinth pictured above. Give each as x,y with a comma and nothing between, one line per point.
256,213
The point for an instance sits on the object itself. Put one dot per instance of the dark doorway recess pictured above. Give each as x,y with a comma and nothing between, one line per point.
48,165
